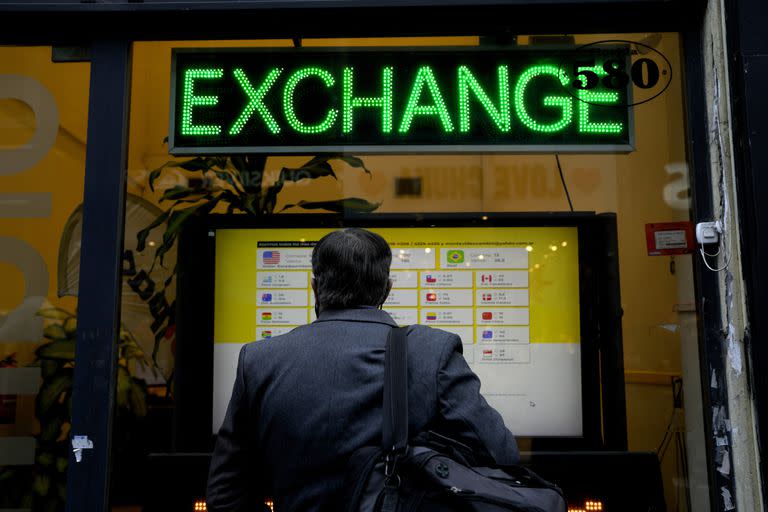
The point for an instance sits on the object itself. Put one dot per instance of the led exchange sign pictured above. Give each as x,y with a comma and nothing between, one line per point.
294,101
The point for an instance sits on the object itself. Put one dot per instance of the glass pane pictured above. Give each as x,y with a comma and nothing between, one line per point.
647,185
43,119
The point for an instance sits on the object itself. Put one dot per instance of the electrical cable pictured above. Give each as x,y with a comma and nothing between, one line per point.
722,245
704,259
562,179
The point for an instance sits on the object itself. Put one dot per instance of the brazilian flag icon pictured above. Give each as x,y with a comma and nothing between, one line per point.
455,256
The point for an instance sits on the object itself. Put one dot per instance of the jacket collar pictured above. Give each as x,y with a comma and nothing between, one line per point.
357,315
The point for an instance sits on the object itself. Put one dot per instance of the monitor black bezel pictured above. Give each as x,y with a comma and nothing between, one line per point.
603,403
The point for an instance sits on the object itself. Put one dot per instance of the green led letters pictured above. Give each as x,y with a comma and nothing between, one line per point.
587,126
256,101
350,102
425,76
500,116
189,100
563,102
288,101
404,100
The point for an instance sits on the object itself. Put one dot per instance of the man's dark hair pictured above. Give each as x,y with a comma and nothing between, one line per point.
351,268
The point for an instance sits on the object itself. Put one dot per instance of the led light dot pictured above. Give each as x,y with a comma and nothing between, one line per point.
468,82
255,101
585,125
350,102
289,107
564,244
562,102
189,100
529,248
425,77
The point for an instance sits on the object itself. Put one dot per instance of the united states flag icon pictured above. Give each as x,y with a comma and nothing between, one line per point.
271,257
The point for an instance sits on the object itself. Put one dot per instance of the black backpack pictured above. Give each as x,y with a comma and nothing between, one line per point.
434,472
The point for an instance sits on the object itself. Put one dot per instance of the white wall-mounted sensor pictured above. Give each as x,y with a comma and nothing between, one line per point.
707,232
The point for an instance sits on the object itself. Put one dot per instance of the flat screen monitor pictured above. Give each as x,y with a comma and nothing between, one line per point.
515,289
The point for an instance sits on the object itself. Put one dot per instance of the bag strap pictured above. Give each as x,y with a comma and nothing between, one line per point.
395,411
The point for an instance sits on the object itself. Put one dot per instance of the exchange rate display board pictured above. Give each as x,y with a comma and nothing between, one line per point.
510,293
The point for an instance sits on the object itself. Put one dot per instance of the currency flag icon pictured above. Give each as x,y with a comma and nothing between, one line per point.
266,334
487,296
487,335
268,280
431,317
487,353
266,315
271,257
486,278
431,278
455,256
487,315
431,297
266,297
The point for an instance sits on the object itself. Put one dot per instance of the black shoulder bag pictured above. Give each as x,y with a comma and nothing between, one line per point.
433,473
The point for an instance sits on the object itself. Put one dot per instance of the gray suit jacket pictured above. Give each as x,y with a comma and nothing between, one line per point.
303,402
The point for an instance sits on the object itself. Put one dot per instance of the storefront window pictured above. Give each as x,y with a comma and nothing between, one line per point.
43,118
647,184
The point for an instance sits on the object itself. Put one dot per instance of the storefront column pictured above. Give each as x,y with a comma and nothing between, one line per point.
735,454
100,275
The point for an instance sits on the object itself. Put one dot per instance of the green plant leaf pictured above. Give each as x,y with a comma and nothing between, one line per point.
226,177
238,162
45,459
354,161
54,313
123,387
349,204
197,164
70,326
55,332
51,392
141,236
138,397
313,171
155,173
41,485
50,428
180,192
176,222
236,201
178,217
49,367
63,350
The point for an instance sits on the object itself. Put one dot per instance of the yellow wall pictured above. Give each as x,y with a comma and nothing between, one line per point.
60,171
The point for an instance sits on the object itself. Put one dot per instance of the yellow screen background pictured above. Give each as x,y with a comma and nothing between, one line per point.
553,272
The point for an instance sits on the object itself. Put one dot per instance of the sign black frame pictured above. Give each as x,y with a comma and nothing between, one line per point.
387,148
604,414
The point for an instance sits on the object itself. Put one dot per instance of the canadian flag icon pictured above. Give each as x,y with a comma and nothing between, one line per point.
486,278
